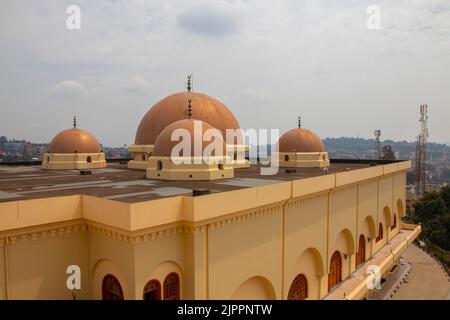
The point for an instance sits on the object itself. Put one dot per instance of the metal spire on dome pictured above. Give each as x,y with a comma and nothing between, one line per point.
189,83
299,121
189,111
74,122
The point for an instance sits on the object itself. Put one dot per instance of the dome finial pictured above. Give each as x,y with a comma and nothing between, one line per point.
189,111
299,121
74,122
189,83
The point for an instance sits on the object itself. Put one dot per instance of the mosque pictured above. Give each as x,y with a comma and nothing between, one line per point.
171,225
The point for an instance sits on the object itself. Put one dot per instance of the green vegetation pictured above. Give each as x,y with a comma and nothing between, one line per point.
433,213
388,153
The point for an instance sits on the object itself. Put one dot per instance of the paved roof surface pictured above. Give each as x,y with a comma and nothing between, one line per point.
126,185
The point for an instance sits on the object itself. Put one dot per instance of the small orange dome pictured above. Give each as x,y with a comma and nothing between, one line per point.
174,107
300,140
74,141
164,145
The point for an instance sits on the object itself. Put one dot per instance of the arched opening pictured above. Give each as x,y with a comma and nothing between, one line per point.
48,159
88,159
394,225
324,157
111,288
159,165
299,288
143,157
235,156
286,158
220,166
335,275
361,253
152,290
172,287
255,288
380,232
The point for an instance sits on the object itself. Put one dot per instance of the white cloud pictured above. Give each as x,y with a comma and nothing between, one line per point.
69,89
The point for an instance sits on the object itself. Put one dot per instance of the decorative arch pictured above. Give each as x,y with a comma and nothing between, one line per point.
311,265
345,236
161,271
371,225
335,274
299,288
255,288
100,270
111,288
152,290
171,287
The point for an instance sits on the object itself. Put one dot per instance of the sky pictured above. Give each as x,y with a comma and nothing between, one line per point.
268,61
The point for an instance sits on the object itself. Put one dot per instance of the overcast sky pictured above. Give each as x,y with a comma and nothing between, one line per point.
267,60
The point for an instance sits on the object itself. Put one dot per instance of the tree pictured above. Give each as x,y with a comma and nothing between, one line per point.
445,195
388,153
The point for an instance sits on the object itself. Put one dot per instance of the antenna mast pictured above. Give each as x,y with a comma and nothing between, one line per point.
377,144
421,152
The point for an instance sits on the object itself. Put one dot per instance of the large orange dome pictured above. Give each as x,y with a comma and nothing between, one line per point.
300,140
74,141
164,145
174,107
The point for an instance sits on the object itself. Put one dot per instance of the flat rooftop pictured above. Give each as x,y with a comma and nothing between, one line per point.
117,182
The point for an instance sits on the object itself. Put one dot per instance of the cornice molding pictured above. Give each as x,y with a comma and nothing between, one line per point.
304,199
139,236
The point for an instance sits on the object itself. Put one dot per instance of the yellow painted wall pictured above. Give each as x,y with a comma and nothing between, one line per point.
305,242
37,268
240,251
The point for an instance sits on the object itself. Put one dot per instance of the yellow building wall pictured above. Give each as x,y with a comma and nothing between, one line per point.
367,214
238,244
305,243
110,255
342,227
37,268
237,252
155,259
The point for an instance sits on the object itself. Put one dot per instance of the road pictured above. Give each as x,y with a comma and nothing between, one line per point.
426,281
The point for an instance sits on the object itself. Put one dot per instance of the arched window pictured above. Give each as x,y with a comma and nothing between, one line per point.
159,165
143,157
335,275
152,290
48,159
361,254
380,232
299,288
286,158
111,289
172,287
89,159
220,166
394,225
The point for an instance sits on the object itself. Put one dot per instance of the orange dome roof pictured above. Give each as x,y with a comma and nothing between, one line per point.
300,140
173,108
164,145
74,141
